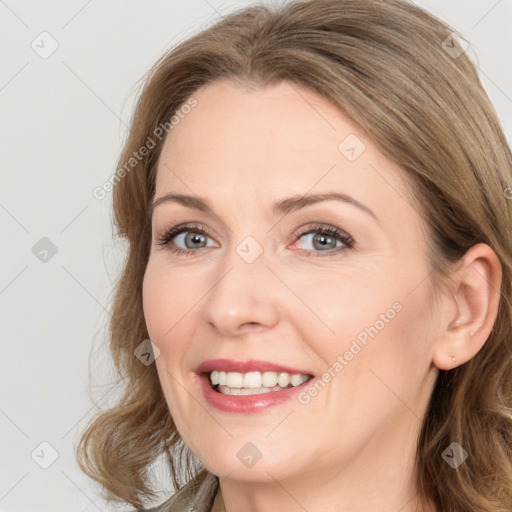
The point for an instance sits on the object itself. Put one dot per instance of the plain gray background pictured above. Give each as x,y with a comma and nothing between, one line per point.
64,117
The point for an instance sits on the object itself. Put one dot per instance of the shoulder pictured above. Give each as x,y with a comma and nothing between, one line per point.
196,496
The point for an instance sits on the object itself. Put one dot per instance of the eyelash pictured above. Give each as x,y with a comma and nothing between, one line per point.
324,229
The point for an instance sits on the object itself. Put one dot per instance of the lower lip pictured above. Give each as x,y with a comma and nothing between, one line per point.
247,404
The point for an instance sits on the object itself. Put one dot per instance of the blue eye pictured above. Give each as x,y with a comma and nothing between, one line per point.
193,235
326,240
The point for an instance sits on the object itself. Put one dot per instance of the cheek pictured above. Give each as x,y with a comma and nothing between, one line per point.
339,307
165,306
154,303
166,300
390,371
371,322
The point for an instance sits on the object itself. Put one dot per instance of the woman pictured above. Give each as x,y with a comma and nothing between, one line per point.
318,219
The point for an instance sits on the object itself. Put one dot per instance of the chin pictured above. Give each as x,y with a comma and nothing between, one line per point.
254,461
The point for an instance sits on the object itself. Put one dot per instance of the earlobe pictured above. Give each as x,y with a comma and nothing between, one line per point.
476,297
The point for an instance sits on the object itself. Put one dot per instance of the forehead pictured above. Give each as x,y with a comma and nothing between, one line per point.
273,141
273,122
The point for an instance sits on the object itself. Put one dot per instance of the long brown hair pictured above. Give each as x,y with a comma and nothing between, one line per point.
399,73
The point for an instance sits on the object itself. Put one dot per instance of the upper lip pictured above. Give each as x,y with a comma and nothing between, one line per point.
252,365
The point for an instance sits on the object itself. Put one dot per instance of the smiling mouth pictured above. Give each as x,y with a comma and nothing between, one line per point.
254,383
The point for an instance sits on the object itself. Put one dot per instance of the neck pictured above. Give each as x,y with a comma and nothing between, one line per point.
279,496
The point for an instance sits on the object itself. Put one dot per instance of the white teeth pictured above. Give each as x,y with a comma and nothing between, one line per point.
225,390
297,379
246,391
234,379
252,380
284,379
251,383
269,379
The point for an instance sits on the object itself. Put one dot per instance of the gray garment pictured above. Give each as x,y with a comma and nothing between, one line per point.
196,496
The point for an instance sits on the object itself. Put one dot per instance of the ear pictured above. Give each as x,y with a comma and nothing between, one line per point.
476,298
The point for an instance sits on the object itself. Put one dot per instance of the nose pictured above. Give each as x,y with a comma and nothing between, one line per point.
244,297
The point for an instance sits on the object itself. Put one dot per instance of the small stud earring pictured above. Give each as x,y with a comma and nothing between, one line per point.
453,358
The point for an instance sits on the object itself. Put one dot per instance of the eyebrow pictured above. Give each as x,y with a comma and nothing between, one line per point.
281,207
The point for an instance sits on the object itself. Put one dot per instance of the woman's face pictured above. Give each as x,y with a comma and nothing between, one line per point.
334,289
